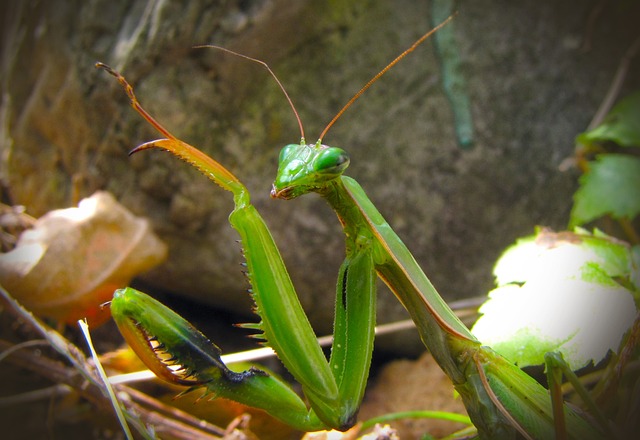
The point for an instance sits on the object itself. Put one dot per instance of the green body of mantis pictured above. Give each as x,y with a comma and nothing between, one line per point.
502,401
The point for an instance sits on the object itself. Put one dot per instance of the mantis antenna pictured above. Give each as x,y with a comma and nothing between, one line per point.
382,72
355,97
266,66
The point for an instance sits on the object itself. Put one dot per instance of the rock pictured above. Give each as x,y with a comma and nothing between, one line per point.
532,86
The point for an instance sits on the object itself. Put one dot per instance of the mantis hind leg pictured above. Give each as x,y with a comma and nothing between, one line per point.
334,389
520,401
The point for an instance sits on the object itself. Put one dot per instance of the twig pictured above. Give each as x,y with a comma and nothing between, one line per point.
81,378
159,417
605,106
465,309
171,412
35,396
105,381
595,13
614,89
26,344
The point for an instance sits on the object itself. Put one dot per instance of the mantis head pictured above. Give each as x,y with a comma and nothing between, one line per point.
304,168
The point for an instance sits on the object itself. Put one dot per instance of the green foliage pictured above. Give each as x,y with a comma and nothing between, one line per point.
611,184
621,126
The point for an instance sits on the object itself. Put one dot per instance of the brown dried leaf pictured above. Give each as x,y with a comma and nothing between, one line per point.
73,259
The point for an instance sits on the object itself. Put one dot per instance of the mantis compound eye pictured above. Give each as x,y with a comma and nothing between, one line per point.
286,151
331,161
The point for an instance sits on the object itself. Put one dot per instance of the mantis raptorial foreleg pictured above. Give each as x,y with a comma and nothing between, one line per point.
178,353
501,399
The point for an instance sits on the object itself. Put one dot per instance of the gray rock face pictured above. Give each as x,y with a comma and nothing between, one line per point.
535,74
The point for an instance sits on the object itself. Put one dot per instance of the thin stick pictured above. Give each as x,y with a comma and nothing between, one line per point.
168,412
146,414
464,309
34,396
616,84
382,72
105,380
26,344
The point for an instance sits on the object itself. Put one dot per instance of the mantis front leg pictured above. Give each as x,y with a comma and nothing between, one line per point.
178,353
334,389
333,396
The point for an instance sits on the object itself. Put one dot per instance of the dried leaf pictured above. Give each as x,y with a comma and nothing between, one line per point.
73,259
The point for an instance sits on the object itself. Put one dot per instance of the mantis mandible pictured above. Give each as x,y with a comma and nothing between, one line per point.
501,399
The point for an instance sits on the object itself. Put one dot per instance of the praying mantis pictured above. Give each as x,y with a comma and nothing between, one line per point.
502,400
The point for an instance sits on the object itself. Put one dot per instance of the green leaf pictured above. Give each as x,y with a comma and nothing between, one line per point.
621,125
611,186
560,292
